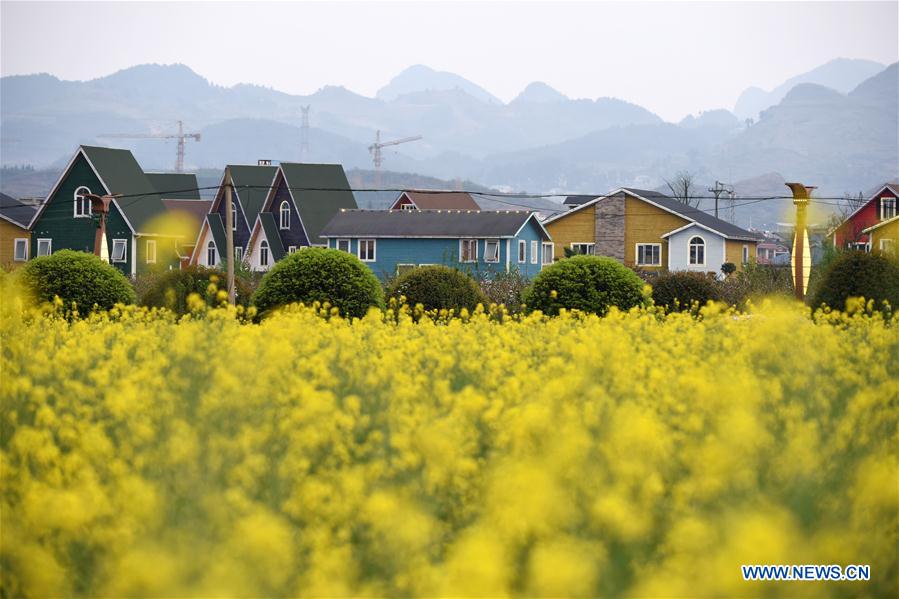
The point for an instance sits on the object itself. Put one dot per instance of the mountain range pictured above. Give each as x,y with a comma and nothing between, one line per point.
835,126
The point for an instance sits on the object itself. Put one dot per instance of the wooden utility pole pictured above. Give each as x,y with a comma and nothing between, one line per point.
802,256
229,235
717,191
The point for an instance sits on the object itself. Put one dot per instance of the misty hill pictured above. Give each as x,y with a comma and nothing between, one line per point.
418,78
840,74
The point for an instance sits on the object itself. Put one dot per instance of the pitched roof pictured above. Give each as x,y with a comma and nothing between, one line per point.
880,224
121,174
441,200
251,186
15,211
175,186
267,219
319,191
577,200
695,215
218,232
893,187
427,223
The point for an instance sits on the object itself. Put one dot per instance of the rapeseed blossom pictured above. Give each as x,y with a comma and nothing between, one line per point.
478,455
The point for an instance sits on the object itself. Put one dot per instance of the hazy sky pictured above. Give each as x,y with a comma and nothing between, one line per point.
673,58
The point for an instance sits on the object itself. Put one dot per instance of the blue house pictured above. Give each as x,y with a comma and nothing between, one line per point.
479,242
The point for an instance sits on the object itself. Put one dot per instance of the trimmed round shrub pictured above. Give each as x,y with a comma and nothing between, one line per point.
587,283
678,290
437,287
170,289
857,274
77,278
320,275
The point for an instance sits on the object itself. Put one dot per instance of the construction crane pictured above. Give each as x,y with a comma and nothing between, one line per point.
181,136
375,151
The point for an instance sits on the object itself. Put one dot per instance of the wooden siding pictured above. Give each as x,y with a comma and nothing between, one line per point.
8,235
887,231
734,251
645,223
576,227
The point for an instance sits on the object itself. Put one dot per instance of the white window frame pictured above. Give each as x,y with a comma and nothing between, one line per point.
487,259
408,206
374,249
591,248
49,243
151,255
411,266
644,262
15,250
690,246
349,245
124,245
889,247
548,245
745,254
468,242
535,245
291,249
80,203
263,252
883,207
238,254
284,210
522,251
210,247
233,215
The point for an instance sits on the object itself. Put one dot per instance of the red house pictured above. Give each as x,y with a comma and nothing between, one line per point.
881,206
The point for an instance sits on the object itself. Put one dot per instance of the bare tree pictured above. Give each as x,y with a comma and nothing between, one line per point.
683,189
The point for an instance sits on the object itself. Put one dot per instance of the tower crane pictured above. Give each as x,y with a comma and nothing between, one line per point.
181,136
375,151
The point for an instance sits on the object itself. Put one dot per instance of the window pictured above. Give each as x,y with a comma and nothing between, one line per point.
263,253
44,247
211,255
367,250
468,250
491,250
697,251
887,208
21,250
151,251
291,249
82,204
402,269
285,215
119,250
888,246
649,254
522,251
583,248
547,252
408,207
233,215
343,245
745,254
534,246
238,254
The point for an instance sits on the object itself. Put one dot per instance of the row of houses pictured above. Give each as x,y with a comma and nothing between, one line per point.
159,221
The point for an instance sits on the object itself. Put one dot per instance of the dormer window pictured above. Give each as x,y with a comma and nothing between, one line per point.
263,253
82,203
285,215
887,207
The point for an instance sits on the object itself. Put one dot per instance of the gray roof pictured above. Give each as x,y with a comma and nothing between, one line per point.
694,214
375,199
218,232
123,175
426,223
15,211
251,185
320,191
175,186
271,234
577,200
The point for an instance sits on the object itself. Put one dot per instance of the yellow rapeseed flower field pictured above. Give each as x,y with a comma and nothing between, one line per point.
630,455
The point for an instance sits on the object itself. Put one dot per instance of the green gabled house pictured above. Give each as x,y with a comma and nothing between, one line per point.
136,231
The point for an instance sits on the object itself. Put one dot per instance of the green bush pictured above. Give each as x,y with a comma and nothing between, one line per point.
438,287
587,283
857,274
77,278
506,288
320,275
170,289
678,290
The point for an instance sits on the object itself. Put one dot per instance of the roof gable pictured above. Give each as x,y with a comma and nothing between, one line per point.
440,200
270,229
319,191
427,223
16,212
251,185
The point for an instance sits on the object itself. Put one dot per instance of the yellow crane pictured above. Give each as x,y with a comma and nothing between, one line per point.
181,136
375,151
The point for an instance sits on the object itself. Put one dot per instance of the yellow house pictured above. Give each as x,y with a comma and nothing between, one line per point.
883,235
15,238
650,231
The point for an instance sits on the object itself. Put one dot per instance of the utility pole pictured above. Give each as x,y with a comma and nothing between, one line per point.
304,133
229,234
717,191
802,257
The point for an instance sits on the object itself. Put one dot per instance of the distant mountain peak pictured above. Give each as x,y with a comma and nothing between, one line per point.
420,78
540,93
